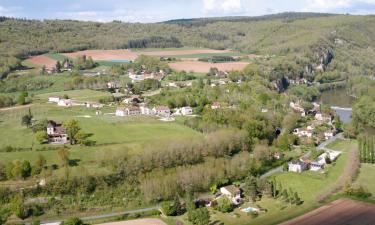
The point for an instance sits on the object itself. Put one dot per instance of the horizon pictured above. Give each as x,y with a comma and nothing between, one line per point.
153,11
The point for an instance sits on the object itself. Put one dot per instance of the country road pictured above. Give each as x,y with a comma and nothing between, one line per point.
16,107
103,216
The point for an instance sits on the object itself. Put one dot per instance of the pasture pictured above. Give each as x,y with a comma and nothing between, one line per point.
114,136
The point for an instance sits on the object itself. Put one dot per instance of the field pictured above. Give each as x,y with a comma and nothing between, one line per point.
114,136
78,95
41,60
366,178
342,211
308,185
204,67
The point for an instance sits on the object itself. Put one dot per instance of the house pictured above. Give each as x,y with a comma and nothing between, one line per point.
328,134
94,105
65,102
161,111
134,99
56,133
296,107
215,105
322,118
113,85
264,110
277,155
321,161
233,193
186,111
145,110
297,166
128,111
53,99
303,133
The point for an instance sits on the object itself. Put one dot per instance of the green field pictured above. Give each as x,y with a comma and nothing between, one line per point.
114,136
366,178
56,56
79,95
308,185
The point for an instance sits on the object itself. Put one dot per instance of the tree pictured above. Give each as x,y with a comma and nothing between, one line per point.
21,100
26,169
262,153
172,208
27,119
58,67
73,221
200,216
18,208
2,220
63,155
41,136
81,138
251,187
72,128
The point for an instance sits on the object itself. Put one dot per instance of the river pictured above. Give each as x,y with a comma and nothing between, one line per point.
340,101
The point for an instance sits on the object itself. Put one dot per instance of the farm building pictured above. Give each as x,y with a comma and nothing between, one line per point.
56,133
145,110
321,161
65,102
128,111
161,111
233,193
216,105
186,111
297,166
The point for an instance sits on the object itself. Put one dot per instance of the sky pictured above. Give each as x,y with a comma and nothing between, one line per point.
146,11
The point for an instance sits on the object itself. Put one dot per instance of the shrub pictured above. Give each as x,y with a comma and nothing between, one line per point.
224,205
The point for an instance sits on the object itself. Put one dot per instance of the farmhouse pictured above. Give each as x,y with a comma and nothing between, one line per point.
53,99
94,105
128,111
233,193
321,161
134,99
186,111
56,133
297,166
216,105
113,84
145,110
161,111
65,102
323,118
303,132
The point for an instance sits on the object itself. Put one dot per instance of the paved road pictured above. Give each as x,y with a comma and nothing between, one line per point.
323,145
106,215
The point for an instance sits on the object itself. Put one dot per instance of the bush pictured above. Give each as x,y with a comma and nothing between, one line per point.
73,221
224,205
199,216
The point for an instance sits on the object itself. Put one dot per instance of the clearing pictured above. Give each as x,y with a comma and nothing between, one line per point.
119,54
204,67
342,211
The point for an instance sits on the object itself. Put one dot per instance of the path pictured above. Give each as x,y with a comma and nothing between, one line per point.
16,107
95,217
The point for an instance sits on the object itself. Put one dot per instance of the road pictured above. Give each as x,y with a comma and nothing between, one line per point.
103,216
16,107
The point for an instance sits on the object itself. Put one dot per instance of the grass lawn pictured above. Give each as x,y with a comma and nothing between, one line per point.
79,95
366,178
114,136
341,144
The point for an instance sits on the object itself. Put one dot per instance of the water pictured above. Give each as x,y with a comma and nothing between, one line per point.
340,101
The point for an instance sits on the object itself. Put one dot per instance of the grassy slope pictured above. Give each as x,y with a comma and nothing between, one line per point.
79,95
114,136
366,178
307,184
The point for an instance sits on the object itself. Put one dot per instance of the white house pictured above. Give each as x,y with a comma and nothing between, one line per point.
215,105
297,166
303,133
186,111
161,111
320,162
54,99
113,84
65,102
296,107
145,110
233,193
128,111
94,105
328,135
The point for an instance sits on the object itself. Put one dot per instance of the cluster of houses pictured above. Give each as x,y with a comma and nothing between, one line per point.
162,111
67,65
143,75
319,163
69,103
319,119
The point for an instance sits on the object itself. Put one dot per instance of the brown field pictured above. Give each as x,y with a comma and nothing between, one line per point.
41,60
137,222
204,67
339,212
184,52
119,54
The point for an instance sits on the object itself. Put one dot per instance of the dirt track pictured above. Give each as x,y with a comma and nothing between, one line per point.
204,67
339,212
137,222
